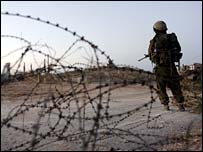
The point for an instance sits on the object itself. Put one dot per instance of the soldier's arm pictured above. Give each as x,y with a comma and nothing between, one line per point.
151,49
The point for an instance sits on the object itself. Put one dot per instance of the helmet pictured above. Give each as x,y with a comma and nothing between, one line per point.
160,26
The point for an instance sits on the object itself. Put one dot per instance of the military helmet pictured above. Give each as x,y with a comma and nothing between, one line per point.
160,26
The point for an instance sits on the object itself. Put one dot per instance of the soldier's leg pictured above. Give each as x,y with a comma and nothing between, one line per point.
161,85
175,87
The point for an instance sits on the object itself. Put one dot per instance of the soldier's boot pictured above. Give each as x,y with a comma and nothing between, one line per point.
166,107
181,107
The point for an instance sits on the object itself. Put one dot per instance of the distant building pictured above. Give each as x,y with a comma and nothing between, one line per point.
192,72
192,67
196,66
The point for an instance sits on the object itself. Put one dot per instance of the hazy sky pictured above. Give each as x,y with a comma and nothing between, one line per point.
122,29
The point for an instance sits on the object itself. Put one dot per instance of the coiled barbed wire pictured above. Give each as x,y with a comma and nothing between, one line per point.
74,105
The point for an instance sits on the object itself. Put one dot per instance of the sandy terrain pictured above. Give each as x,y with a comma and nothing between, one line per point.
141,128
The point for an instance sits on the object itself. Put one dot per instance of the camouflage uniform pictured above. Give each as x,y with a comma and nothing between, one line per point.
165,70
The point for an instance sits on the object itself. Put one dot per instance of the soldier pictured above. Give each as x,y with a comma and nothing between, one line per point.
164,51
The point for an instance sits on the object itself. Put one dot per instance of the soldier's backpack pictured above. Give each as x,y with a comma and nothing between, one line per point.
167,48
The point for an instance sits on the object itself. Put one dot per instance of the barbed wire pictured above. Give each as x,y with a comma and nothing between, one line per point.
73,102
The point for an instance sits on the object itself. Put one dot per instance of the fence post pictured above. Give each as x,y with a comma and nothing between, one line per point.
24,68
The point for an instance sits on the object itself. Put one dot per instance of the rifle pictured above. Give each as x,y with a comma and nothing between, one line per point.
145,56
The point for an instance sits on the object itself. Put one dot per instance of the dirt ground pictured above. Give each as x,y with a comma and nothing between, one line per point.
147,128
